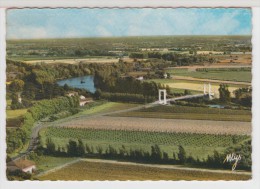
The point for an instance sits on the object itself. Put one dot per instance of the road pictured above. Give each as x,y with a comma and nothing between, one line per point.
44,123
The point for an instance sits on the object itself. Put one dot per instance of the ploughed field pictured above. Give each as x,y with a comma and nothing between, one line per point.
84,170
161,125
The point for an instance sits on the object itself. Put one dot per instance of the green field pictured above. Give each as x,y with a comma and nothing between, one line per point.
105,107
84,170
187,112
197,145
100,107
243,76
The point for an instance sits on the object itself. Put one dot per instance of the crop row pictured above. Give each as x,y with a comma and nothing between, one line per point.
202,110
145,137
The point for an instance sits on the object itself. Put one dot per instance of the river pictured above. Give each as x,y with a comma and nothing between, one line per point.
84,82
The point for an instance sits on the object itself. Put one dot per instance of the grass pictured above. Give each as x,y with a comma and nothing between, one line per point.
100,107
193,113
243,76
197,145
105,107
85,170
12,114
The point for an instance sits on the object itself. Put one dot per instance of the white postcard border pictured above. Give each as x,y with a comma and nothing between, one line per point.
252,184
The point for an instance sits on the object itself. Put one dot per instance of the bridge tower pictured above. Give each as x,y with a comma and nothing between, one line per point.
208,93
164,96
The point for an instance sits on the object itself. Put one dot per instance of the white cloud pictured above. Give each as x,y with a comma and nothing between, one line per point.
124,22
28,33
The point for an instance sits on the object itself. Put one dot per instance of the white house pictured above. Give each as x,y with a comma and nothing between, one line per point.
140,78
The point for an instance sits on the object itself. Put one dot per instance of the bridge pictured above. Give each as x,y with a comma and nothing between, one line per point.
206,93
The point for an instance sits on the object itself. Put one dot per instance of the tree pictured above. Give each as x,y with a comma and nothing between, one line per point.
182,155
224,94
187,92
97,94
50,146
15,104
165,156
156,153
72,148
81,148
66,87
99,150
17,85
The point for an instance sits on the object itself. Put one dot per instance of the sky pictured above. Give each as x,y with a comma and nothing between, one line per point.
72,23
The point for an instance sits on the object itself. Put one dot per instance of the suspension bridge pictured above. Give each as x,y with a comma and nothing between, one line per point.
207,93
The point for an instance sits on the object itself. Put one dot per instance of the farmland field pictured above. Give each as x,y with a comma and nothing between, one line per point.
194,85
186,112
198,145
101,60
184,116
91,170
160,125
243,76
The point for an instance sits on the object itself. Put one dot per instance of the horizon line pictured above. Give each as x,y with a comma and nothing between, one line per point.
88,37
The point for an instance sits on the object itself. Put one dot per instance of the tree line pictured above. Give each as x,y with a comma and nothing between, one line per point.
77,148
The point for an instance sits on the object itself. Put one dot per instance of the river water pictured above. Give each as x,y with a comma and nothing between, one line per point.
84,82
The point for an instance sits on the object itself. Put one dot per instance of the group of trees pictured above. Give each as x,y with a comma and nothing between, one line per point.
36,82
128,89
16,138
155,155
176,59
125,97
224,94
78,149
243,96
